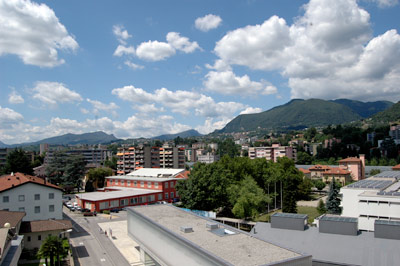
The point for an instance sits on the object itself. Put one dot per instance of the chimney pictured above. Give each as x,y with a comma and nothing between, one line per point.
362,158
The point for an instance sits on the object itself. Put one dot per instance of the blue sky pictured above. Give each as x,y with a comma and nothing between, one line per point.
145,68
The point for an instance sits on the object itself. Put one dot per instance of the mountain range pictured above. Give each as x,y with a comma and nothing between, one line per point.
92,138
299,114
184,134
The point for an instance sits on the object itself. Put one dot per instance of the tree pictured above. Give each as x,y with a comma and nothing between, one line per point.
320,185
52,247
74,171
17,161
111,163
97,176
303,158
247,198
321,207
333,200
56,167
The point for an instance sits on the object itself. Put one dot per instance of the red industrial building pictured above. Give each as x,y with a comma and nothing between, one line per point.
144,186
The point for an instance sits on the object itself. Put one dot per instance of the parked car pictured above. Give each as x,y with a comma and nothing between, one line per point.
116,210
69,205
85,210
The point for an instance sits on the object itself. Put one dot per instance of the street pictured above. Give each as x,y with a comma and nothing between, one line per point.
90,247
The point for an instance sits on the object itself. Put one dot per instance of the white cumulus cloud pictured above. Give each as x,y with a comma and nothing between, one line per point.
132,65
251,110
124,50
33,32
328,52
15,98
208,22
8,117
154,51
53,93
99,106
181,43
226,82
121,33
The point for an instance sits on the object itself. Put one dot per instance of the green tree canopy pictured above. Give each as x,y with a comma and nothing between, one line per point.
247,198
17,161
53,247
97,176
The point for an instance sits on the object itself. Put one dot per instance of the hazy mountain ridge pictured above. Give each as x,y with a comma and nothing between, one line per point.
184,134
91,138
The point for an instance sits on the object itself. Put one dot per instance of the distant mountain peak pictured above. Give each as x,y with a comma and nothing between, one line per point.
184,134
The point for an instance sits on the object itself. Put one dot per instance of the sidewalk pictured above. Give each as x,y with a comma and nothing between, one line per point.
122,241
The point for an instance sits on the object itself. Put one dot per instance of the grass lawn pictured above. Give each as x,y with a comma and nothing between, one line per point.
311,211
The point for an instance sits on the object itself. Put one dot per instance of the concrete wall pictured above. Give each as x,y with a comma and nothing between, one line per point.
29,203
288,223
338,227
387,231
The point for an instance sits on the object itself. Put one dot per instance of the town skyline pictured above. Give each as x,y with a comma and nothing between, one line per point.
146,69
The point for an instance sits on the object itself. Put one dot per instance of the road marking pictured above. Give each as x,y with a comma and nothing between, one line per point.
81,243
102,260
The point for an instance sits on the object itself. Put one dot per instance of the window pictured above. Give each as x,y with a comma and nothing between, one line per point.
166,195
166,184
29,238
6,199
21,209
124,202
142,184
148,184
37,209
21,198
160,196
129,183
135,183
156,184
172,195
122,182
37,196
51,208
51,195
133,200
110,181
171,184
39,237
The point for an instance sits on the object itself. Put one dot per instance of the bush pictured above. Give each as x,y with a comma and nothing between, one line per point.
106,212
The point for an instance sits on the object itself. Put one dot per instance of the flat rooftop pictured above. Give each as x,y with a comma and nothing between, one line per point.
143,178
126,192
239,248
363,249
155,172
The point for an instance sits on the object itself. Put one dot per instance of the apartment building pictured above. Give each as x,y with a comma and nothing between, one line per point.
355,165
3,155
134,158
94,157
172,157
207,158
273,153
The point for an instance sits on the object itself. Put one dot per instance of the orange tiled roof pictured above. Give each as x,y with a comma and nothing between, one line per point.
337,171
183,175
17,179
350,160
396,167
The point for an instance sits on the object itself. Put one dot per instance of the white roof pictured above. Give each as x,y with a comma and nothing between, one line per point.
127,192
156,172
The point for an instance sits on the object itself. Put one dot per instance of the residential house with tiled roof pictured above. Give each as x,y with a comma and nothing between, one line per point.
355,165
11,243
40,200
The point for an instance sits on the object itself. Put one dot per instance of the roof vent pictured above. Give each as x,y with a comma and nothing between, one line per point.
211,225
186,229
12,173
